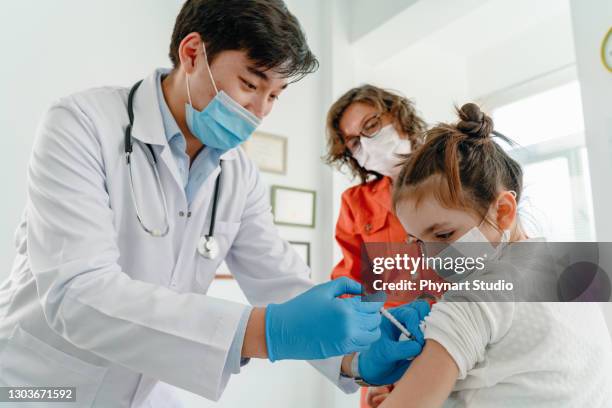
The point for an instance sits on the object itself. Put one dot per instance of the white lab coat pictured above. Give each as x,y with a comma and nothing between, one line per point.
95,302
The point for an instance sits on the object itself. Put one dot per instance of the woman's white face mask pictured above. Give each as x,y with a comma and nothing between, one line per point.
381,152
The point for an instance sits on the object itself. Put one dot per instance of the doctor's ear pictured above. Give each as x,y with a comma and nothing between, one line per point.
507,208
190,49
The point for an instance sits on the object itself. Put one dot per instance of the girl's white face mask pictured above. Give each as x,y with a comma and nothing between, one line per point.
475,235
381,152
473,244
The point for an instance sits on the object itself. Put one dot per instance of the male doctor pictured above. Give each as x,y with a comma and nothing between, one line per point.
125,226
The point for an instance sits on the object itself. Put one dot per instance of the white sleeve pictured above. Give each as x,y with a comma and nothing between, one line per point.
268,269
330,368
465,329
85,296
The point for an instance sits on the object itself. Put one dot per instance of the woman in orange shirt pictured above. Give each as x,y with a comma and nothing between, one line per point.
370,130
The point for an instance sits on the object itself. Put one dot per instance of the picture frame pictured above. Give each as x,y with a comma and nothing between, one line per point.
268,151
293,206
303,249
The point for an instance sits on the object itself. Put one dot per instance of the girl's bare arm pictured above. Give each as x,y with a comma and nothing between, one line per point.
428,381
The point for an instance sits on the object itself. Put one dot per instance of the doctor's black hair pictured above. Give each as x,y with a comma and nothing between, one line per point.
271,36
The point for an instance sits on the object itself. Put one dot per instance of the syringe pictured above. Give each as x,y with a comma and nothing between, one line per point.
396,323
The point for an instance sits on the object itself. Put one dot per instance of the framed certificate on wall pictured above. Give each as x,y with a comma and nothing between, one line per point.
293,206
303,249
268,151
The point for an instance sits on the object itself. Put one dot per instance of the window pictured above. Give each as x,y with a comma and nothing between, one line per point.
548,128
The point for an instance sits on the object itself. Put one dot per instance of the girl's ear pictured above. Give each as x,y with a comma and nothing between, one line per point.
506,209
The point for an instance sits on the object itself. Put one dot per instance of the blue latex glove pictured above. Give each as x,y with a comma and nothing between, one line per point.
318,324
387,359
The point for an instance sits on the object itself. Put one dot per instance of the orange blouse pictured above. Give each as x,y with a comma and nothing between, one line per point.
366,215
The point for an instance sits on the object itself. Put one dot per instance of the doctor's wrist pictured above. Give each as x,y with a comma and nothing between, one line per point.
346,368
254,345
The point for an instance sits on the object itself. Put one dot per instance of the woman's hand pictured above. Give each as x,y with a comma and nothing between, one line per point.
376,395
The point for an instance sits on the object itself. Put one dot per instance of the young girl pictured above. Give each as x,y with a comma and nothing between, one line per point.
485,354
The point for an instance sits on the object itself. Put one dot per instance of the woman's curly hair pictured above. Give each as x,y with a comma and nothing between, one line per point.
399,107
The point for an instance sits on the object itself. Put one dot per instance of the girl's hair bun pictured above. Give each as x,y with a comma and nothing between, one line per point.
473,122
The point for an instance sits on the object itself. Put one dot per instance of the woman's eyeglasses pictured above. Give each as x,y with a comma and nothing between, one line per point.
370,128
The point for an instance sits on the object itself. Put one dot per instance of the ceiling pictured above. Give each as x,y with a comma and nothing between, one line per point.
459,27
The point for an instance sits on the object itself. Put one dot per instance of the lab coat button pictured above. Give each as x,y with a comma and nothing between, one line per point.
189,214
181,213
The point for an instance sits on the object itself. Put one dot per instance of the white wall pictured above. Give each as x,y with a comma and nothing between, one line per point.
53,48
433,79
339,77
591,21
368,15
536,52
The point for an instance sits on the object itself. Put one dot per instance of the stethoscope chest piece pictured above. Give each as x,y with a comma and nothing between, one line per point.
208,247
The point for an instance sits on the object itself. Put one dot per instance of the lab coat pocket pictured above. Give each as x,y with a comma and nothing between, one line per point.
27,361
225,233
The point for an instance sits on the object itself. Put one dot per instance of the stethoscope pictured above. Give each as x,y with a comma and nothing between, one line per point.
207,245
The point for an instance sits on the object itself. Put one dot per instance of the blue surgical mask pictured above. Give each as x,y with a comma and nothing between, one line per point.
224,123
